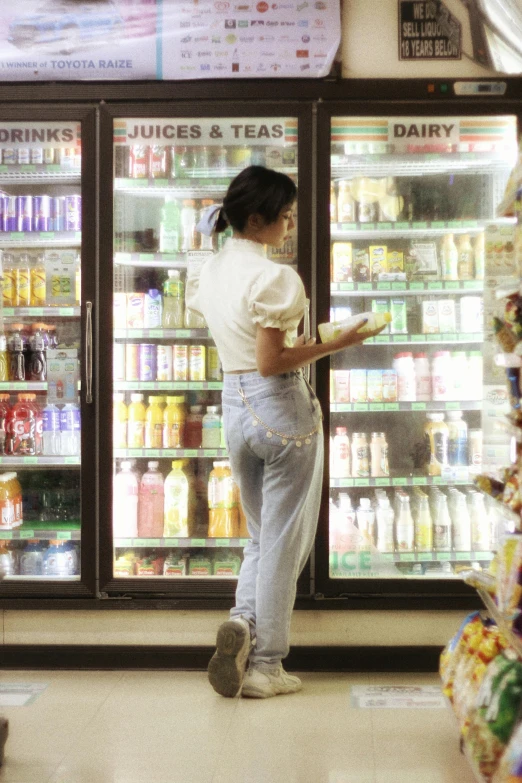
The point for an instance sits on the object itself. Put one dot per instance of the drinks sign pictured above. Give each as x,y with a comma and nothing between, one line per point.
427,31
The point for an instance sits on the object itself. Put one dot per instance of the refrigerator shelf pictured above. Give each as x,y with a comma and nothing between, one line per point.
42,578
29,386
38,174
424,228
181,543
156,260
169,453
44,531
434,339
34,312
174,334
399,481
432,405
199,185
40,238
410,288
418,164
163,385
23,462
428,557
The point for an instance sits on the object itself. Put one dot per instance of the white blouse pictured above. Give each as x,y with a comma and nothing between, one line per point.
239,288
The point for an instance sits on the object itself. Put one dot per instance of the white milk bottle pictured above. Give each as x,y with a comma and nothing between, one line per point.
385,526
461,524
405,527
442,536
125,503
480,528
422,377
406,383
423,526
366,522
340,461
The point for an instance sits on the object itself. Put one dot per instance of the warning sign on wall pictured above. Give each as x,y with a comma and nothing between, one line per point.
427,31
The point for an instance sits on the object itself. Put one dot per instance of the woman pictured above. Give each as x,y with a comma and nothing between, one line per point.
273,423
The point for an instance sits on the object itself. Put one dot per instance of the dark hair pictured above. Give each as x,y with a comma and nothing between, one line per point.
255,190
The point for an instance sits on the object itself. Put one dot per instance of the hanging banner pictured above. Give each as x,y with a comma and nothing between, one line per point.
427,31
60,40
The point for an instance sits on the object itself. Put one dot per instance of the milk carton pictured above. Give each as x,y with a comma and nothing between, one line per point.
447,320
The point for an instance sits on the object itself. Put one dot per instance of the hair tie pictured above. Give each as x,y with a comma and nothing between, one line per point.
208,219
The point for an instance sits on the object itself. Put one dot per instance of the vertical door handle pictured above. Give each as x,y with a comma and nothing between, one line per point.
306,329
88,352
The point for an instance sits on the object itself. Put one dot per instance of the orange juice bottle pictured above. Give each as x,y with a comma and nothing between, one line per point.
154,424
174,423
119,421
188,469
136,423
222,502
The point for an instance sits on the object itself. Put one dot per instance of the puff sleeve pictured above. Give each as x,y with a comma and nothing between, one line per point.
277,299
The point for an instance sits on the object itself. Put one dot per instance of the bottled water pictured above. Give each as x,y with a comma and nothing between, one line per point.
51,431
70,430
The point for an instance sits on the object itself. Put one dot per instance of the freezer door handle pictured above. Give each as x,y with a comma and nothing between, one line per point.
88,353
306,329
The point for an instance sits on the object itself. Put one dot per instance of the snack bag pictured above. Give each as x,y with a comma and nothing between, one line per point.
453,651
472,673
510,768
509,561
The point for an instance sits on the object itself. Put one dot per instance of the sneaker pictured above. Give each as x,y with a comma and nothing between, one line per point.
226,669
263,683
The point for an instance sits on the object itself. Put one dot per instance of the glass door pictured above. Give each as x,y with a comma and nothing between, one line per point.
42,343
176,511
413,412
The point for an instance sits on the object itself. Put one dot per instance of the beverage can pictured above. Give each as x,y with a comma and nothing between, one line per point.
197,363
147,362
37,155
24,156
58,213
42,213
132,362
48,156
164,362
66,157
7,504
24,213
180,363
118,357
11,221
3,212
73,213
214,369
360,455
10,156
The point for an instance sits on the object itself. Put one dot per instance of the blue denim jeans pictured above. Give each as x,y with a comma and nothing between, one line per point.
274,437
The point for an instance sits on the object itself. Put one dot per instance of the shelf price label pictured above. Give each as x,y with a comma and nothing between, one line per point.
418,406
434,286
386,286
197,542
360,406
6,535
381,338
364,287
64,535
462,555
443,555
243,541
400,338
377,406
222,542
406,557
346,482
362,482
453,406
124,542
26,533
416,286
393,406
399,482
153,542
382,482
451,285
346,287
402,226
419,481
171,542
424,556
418,338
400,286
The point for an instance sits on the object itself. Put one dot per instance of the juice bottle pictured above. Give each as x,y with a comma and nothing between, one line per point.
21,428
188,225
38,282
423,526
154,425
15,492
188,470
385,526
136,423
346,206
366,522
7,506
4,410
173,301
333,204
169,241
194,427
4,362
466,266
329,331
176,502
23,285
151,503
8,281
436,435
125,503
119,421
223,519
450,258
174,423
405,531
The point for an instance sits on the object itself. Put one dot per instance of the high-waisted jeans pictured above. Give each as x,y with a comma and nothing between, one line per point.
274,437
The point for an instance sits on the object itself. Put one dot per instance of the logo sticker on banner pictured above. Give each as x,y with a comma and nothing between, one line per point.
42,40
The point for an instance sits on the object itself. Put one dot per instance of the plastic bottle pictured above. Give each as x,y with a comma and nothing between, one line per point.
194,427
457,439
436,434
154,425
441,383
459,376
423,526
366,522
188,225
169,241
152,311
206,242
70,429
125,503
173,301
38,282
223,520
479,253
332,330
422,377
340,458
475,374
17,350
450,258
405,532
360,455
32,558
174,423
119,421
466,266
136,423
480,527
461,524
346,204
379,455
211,428
21,428
38,361
151,503
4,410
442,537
4,358
23,281
404,366
176,490
385,526
342,527
51,430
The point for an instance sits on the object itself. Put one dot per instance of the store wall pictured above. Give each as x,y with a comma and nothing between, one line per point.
370,45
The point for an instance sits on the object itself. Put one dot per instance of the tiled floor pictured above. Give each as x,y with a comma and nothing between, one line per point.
170,727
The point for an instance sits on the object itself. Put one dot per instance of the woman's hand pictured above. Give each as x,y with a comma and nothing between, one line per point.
351,337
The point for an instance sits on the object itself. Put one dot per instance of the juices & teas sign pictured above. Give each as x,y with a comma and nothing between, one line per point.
272,132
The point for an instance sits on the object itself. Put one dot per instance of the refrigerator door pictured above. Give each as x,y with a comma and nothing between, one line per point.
45,343
413,411
177,522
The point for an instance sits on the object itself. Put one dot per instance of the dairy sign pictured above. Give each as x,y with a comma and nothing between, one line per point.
266,132
427,31
432,132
